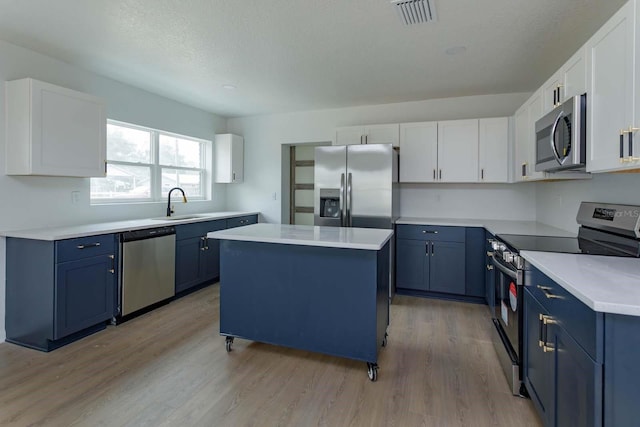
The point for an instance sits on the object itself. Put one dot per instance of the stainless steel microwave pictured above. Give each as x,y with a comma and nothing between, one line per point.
561,137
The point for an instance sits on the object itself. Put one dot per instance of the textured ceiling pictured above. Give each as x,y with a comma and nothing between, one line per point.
306,54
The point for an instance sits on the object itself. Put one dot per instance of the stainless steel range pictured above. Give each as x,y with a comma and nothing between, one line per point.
605,229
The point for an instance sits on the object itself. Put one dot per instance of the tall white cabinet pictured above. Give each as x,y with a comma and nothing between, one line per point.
612,101
229,159
51,130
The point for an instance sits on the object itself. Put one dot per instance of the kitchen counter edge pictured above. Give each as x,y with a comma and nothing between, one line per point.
70,232
303,235
494,226
605,284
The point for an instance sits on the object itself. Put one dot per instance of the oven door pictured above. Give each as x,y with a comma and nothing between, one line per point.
508,303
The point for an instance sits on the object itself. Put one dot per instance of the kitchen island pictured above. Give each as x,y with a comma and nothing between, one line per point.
321,289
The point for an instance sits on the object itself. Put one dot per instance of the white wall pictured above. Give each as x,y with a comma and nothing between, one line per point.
264,135
557,202
33,202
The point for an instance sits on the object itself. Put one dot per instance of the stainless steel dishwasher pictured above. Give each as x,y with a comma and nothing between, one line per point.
148,268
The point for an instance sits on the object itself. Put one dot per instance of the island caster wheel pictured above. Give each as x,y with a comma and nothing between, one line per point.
372,371
384,340
227,343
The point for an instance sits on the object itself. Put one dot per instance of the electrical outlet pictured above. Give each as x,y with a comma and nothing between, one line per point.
75,197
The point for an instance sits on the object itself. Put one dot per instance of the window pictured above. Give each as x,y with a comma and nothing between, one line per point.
144,164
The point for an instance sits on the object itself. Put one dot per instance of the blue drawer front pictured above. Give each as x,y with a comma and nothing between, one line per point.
431,232
581,322
85,247
242,221
197,229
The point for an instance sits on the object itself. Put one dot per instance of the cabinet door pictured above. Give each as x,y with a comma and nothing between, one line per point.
84,294
474,262
188,262
447,269
210,260
229,158
494,150
383,134
418,152
574,76
54,131
412,264
537,365
458,151
578,382
521,152
610,104
350,135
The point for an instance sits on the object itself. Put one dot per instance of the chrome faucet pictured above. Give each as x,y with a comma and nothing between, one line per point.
169,208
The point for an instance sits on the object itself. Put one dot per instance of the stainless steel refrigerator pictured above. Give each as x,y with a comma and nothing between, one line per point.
357,186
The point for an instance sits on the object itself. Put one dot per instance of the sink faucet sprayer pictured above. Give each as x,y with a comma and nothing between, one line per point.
169,208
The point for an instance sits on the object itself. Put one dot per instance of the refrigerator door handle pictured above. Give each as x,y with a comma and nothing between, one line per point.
342,196
349,199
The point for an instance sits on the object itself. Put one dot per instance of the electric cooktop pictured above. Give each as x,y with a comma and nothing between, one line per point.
569,245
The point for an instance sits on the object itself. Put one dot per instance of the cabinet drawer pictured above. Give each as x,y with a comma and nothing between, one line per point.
197,229
581,322
431,232
242,221
84,247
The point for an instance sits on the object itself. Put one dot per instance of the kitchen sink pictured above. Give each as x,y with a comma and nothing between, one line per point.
177,217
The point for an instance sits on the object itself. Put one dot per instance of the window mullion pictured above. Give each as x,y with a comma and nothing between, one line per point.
156,171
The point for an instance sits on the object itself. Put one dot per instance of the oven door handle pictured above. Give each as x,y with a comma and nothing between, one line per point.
503,268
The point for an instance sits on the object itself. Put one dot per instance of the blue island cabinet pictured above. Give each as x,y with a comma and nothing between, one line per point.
59,291
323,299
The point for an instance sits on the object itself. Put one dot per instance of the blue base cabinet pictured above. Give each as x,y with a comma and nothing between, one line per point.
567,361
59,291
441,261
197,257
489,275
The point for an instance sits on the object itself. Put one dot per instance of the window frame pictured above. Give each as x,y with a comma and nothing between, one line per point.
156,168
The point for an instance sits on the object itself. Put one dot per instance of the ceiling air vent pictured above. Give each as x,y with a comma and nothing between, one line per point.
415,11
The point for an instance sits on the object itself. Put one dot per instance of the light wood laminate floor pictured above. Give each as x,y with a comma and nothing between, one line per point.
170,368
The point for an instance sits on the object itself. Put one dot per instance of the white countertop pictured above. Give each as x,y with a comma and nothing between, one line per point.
70,232
494,226
307,235
604,283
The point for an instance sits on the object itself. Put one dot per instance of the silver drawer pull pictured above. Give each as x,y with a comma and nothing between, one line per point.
428,231
547,292
92,245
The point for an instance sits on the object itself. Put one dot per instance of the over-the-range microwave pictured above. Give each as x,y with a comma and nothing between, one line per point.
561,137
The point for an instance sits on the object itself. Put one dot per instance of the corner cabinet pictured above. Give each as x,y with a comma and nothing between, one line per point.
613,95
430,259
71,293
371,134
197,256
229,159
51,130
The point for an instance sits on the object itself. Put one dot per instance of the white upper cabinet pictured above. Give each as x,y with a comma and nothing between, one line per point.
525,150
371,134
51,130
569,81
229,159
458,151
418,152
494,150
611,99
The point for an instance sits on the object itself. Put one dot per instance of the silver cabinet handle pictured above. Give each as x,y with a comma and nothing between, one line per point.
429,231
90,245
233,176
489,267
433,249
202,246
112,270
